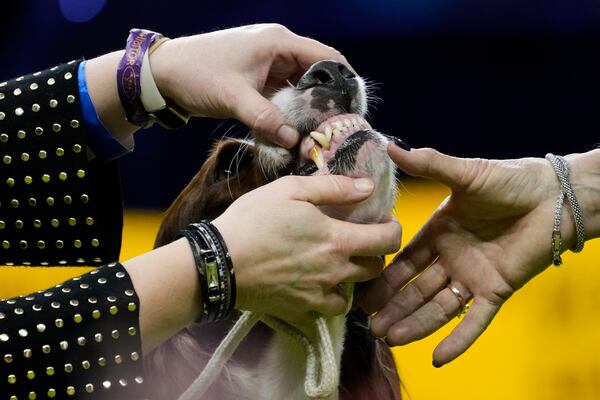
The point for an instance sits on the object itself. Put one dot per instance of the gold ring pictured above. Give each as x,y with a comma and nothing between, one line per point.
464,306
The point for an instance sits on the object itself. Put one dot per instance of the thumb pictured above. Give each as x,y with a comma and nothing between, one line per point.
431,164
264,118
327,189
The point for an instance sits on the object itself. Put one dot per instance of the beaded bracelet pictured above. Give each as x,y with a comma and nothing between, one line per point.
215,270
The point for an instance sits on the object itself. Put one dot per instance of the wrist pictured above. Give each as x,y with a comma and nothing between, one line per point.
585,179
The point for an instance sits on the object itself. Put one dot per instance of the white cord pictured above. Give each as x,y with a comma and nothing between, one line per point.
322,375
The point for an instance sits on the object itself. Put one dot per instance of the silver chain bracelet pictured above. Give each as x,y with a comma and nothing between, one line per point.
561,168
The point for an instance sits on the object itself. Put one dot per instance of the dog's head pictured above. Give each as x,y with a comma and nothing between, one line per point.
328,107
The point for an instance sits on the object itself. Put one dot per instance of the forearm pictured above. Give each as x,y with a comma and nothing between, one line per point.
166,282
101,76
585,179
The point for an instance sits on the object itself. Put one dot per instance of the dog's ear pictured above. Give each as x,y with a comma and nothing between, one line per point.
229,172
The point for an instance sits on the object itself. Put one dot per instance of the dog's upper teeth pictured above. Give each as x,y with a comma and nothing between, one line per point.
328,133
338,125
348,123
317,156
321,138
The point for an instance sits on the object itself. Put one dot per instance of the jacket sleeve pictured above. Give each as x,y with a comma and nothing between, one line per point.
56,208
79,339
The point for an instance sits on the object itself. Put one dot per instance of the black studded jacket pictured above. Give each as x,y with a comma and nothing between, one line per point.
79,339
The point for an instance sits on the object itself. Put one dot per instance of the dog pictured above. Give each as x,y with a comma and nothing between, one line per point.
327,106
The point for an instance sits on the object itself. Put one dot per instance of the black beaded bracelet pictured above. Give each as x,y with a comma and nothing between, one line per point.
215,270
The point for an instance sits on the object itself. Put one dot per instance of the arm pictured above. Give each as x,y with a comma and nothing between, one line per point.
489,238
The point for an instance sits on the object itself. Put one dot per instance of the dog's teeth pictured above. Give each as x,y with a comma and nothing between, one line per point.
317,156
336,132
348,123
328,133
321,138
339,125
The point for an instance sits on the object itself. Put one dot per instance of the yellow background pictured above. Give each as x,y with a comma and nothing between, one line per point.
543,344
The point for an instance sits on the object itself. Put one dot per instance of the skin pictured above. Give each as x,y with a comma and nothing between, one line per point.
487,239
283,264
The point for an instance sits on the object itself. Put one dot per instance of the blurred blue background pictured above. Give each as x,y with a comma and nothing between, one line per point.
473,78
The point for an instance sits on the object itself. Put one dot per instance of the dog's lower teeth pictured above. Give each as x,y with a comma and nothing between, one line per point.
317,156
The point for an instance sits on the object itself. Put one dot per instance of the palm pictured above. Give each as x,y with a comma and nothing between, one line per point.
484,240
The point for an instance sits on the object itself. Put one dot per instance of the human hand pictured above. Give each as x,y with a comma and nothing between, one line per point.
289,257
228,73
487,239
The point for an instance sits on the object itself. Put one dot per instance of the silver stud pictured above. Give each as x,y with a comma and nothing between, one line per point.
70,390
77,243
102,281
8,358
120,274
70,99
46,349
49,371
53,103
41,244
60,151
2,224
84,286
66,290
25,157
19,111
118,359
62,176
95,242
74,123
98,337
51,81
113,310
39,130
68,75
21,134
19,311
27,353
139,379
30,374
45,177
10,182
28,179
54,222
102,361
5,244
2,115
81,341
115,334
54,68
68,368
3,84
85,364
23,332
2,96
135,356
91,300
2,315
123,382
14,203
33,86
106,384
96,314
77,318
59,323
19,79
23,244
111,299
64,345
4,138
89,388
7,159
37,307
97,260
17,91
51,393
32,202
18,224
80,173
3,337
84,199
67,199
41,328
35,107
56,127
48,294
74,302
72,221
12,379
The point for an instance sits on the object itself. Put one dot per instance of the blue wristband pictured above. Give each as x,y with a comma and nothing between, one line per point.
100,141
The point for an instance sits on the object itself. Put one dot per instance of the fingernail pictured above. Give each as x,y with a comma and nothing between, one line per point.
400,143
436,364
287,136
363,184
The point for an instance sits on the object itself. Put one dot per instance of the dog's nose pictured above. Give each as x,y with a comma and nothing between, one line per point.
333,78
327,73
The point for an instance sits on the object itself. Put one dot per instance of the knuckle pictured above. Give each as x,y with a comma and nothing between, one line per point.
277,29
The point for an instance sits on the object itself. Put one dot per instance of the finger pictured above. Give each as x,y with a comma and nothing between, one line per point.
264,118
333,303
409,299
431,164
308,51
417,255
442,308
480,315
360,269
326,189
366,239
